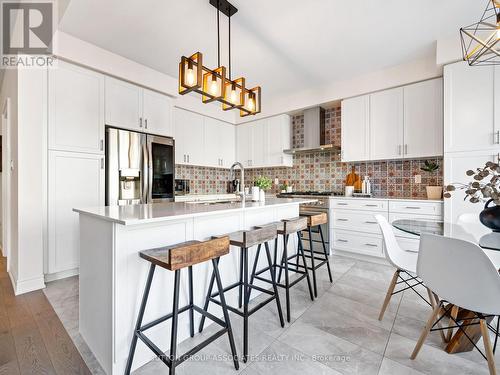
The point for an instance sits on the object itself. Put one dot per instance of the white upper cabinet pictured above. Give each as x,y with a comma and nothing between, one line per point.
423,119
189,137
386,124
123,104
355,129
278,137
219,143
76,109
261,143
471,101
132,107
157,113
405,122
244,144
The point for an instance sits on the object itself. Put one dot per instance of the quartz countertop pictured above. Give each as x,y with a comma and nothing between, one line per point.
156,212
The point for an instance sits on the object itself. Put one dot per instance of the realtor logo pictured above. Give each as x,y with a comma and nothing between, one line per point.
27,28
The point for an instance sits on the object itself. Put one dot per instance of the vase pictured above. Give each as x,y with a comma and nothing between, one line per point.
434,192
490,216
255,193
262,195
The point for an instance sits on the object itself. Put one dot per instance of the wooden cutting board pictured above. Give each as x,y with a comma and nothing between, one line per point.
353,179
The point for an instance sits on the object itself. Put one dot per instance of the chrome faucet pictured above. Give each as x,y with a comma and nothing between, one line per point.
242,180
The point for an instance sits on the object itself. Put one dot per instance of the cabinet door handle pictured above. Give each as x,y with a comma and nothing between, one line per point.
371,244
140,122
342,204
371,222
406,149
188,158
146,123
412,208
342,219
399,149
102,163
371,205
221,162
184,158
497,134
102,145
341,240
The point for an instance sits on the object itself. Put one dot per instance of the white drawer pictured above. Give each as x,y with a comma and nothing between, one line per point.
356,220
418,208
359,204
408,244
367,244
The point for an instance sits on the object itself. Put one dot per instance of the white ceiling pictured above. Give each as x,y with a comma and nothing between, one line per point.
283,45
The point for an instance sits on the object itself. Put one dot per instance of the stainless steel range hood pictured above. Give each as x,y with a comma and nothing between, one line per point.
314,133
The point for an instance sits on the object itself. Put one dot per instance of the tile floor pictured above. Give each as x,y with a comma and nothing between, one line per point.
338,333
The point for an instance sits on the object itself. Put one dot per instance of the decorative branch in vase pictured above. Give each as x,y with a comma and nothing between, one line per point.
484,188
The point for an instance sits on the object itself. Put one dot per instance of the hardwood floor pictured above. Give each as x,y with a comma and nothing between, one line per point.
32,338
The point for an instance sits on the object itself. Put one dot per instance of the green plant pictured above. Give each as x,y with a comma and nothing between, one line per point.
430,166
263,182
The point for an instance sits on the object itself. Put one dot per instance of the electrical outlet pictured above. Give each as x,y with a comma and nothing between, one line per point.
418,179
276,182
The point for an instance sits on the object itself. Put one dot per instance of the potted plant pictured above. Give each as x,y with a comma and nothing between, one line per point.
433,192
263,183
484,187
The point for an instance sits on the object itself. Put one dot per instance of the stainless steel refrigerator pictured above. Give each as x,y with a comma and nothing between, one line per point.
140,168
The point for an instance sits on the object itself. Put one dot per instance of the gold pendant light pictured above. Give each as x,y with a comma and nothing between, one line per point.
481,40
214,85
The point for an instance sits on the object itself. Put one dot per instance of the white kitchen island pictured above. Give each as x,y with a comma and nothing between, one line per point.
112,276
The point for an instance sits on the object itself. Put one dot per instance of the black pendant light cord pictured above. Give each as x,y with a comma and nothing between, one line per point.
229,47
218,35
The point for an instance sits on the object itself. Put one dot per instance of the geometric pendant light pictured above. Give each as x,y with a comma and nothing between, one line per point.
215,85
481,40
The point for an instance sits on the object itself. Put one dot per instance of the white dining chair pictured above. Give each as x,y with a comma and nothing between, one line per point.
450,267
405,263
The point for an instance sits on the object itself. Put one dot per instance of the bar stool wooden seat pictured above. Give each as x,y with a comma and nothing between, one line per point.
314,222
285,229
174,258
244,240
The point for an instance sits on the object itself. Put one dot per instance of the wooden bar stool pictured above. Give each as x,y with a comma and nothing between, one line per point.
314,222
175,258
285,229
245,240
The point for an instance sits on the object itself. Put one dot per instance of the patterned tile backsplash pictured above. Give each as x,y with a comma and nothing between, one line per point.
323,171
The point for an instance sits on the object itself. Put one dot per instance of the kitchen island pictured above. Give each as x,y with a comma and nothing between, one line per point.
112,276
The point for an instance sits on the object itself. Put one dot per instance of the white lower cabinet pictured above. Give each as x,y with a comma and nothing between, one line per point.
74,180
356,230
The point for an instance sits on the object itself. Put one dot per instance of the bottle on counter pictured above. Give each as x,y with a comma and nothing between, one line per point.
366,187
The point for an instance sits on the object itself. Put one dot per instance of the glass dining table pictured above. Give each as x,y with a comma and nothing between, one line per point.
487,240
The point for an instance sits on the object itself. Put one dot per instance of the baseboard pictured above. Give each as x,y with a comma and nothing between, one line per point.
61,275
25,286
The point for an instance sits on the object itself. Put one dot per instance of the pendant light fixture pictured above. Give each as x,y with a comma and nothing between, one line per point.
481,40
214,85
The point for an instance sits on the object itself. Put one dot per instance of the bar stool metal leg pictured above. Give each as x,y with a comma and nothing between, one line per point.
326,254
207,299
175,318
139,318
287,278
275,287
245,304
254,268
240,296
191,301
303,256
215,264
313,267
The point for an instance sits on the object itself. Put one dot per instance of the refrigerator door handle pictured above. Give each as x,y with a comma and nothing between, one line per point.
149,145
145,174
